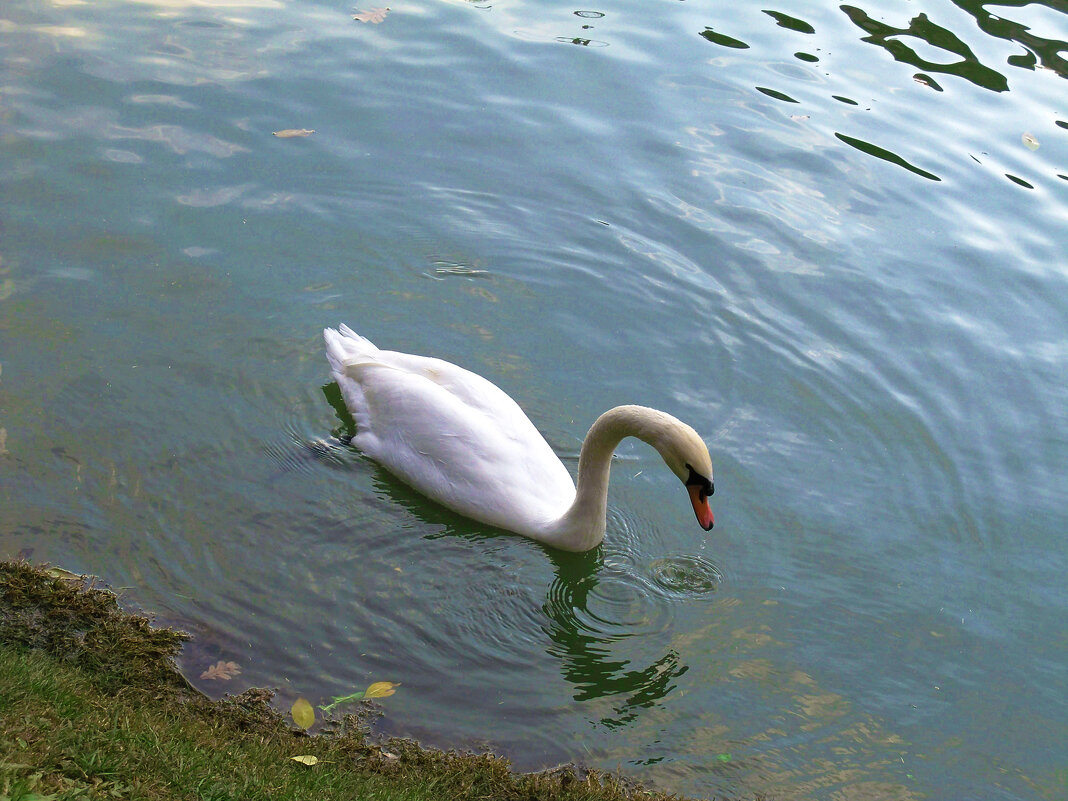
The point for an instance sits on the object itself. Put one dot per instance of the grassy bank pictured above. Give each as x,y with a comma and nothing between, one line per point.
92,706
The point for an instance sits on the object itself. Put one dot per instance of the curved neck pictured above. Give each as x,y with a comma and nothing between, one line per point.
582,526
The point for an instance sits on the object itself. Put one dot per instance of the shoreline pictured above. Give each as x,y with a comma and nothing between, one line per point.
63,636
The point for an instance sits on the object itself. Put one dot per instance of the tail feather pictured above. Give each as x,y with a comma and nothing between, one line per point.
345,347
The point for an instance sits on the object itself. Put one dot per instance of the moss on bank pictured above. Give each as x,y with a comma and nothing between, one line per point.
92,705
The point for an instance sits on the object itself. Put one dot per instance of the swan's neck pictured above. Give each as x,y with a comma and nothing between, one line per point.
582,526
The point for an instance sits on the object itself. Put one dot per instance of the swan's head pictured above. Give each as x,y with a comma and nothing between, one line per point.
687,455
681,447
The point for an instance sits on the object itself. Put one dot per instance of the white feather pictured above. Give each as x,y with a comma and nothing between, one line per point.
463,442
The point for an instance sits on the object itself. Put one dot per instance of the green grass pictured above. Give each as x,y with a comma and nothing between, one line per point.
92,706
62,735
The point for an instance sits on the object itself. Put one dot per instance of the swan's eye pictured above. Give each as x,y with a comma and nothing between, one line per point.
695,479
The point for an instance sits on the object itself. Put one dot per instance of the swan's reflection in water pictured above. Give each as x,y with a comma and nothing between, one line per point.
607,614
599,598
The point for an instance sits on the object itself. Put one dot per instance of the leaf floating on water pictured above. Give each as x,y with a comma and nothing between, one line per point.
374,15
342,699
289,133
1029,141
221,671
381,689
302,713
306,759
378,689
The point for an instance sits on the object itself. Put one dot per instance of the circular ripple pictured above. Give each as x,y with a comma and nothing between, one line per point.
611,602
685,576
622,604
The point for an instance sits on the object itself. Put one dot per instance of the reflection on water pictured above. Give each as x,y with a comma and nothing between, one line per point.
934,36
885,155
595,599
936,50
588,608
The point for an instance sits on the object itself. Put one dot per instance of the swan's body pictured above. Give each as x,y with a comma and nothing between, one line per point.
463,442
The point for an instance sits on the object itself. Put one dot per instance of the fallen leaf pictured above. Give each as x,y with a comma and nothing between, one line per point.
221,671
306,759
289,133
381,689
1030,142
374,15
342,699
302,713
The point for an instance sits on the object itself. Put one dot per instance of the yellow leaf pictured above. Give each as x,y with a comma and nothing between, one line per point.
289,133
306,759
381,689
302,713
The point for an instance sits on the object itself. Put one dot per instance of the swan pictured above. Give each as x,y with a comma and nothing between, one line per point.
463,442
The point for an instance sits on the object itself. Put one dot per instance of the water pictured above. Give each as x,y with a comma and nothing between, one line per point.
821,235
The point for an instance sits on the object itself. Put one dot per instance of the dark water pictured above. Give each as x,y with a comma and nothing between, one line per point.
832,238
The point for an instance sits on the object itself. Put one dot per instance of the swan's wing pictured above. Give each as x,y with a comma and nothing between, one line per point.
485,460
470,388
345,349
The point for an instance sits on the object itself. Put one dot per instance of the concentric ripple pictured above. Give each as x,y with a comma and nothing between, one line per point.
611,601
622,603
684,577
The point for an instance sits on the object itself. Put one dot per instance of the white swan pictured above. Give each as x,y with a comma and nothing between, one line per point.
461,441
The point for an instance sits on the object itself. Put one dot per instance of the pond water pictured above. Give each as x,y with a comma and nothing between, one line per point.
831,238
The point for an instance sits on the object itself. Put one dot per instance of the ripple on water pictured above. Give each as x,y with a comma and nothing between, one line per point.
684,577
622,603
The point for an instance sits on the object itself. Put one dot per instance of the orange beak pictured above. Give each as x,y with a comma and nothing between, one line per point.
699,499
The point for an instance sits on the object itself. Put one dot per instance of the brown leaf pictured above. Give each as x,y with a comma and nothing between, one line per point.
289,133
221,671
374,15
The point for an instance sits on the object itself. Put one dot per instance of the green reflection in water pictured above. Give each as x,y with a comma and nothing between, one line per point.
920,27
586,659
1047,52
722,39
786,21
927,80
886,155
776,94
